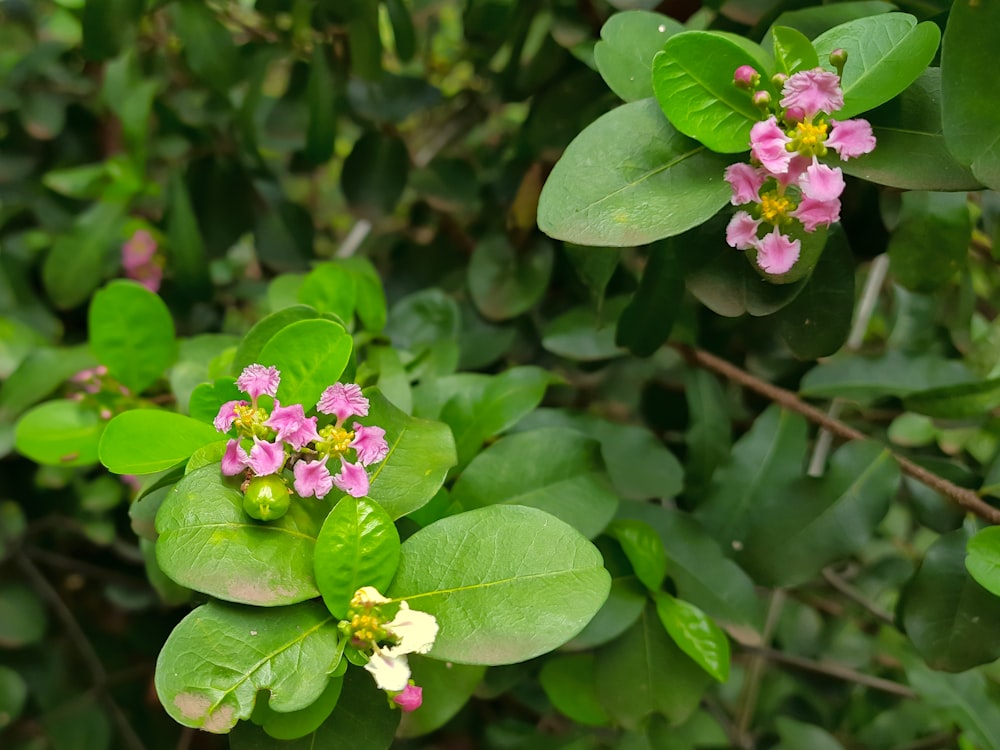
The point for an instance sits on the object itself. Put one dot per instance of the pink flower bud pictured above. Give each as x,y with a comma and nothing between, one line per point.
410,698
746,77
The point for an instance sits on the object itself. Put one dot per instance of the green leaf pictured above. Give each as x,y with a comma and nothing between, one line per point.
930,243
948,616
583,334
75,263
618,613
644,550
594,266
143,441
893,374
357,546
607,190
556,470
22,616
885,54
60,433
218,657
983,559
645,672
403,33
970,110
814,20
188,257
132,333
13,696
330,287
792,50
647,320
624,56
966,699
39,374
797,734
322,128
956,401
817,322
208,398
375,174
693,81
209,544
371,307
570,684
447,687
695,634
420,453
709,434
506,583
505,282
907,125
292,725
208,45
264,330
310,355
106,26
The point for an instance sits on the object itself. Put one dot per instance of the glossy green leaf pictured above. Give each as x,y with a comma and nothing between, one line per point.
264,330
645,672
956,401
624,55
22,616
695,634
292,725
330,287
320,92
142,441
930,243
447,687
60,433
375,174
220,655
420,453
693,82
124,319
813,21
817,322
612,191
970,110
893,374
370,306
583,334
947,615
906,126
207,543
647,320
570,684
310,355
505,282
792,50
556,470
644,550
885,54
357,546
983,559
208,398
506,583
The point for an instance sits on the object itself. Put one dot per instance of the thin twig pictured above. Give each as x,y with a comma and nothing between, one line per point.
838,671
98,674
856,596
55,560
934,742
967,499
755,671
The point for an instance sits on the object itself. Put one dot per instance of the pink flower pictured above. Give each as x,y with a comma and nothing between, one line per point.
266,458
312,478
814,213
370,444
227,415
745,181
139,262
343,401
796,166
410,698
257,380
822,183
814,91
742,231
352,479
292,425
776,253
235,459
767,145
851,138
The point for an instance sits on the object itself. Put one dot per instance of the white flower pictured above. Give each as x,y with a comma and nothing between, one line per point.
414,630
390,672
368,596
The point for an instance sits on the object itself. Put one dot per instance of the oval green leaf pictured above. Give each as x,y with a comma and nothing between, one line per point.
207,543
60,433
506,583
142,441
644,550
695,634
310,355
357,546
956,401
264,330
792,50
629,179
505,282
629,42
983,559
219,656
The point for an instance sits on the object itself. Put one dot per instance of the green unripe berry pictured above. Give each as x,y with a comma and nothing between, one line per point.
266,498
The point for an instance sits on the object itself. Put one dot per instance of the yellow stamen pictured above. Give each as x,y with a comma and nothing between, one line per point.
334,440
773,207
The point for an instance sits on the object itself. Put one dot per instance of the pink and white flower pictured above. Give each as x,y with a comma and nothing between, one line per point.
266,458
343,401
257,380
776,253
813,91
369,442
292,425
767,145
312,478
352,479
235,459
851,138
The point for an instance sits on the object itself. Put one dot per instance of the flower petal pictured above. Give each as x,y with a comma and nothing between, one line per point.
776,253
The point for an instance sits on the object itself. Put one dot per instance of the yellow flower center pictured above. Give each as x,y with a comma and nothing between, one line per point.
810,135
774,207
334,440
367,628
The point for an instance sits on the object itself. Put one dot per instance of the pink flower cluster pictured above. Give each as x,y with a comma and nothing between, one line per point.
140,262
267,442
786,186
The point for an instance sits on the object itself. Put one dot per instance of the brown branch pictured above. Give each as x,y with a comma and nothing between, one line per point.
961,496
856,596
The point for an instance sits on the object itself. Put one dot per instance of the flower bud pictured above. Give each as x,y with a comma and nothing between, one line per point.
778,79
266,498
761,99
838,58
746,77
794,115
